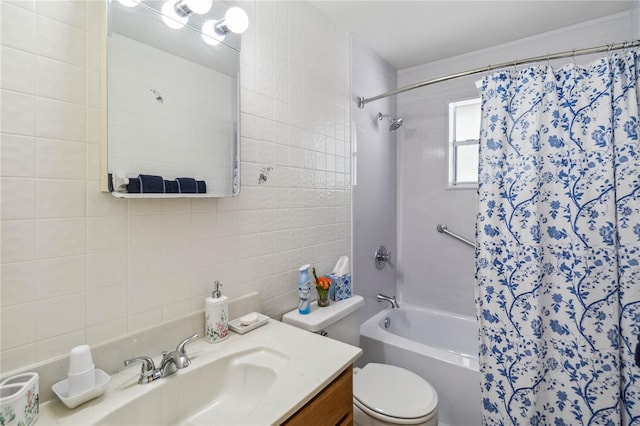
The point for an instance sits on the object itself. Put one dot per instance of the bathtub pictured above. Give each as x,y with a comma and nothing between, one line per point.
440,347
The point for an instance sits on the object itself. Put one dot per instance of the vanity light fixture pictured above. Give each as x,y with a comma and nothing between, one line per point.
171,17
235,20
210,34
187,7
176,14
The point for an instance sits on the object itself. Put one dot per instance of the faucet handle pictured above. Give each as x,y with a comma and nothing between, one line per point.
148,371
181,345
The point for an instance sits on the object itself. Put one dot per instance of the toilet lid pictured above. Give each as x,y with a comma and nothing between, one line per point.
394,391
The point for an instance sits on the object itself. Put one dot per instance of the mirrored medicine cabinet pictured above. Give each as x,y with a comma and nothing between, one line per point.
171,100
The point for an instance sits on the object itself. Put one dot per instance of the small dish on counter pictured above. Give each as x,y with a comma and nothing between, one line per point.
248,322
61,389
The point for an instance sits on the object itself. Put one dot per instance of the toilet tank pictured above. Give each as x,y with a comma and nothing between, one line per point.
340,320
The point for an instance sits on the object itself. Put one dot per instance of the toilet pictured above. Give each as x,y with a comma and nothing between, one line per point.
382,394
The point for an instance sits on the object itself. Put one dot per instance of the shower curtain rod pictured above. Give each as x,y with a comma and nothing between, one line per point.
572,53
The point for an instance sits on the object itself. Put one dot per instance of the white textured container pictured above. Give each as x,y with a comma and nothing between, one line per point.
216,316
20,400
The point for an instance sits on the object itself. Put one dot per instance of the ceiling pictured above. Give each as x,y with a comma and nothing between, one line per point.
410,33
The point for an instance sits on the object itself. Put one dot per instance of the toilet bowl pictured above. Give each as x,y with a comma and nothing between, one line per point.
382,394
389,395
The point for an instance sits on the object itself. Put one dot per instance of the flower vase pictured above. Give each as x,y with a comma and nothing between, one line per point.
323,297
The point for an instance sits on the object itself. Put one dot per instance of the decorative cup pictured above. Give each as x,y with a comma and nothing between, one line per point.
82,371
80,360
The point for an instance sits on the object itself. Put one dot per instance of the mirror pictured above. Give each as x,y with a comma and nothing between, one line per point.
172,101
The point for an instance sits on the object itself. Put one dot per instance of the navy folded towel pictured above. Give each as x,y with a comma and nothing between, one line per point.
150,184
133,187
187,185
171,186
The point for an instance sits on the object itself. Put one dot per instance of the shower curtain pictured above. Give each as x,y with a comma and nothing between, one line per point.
558,244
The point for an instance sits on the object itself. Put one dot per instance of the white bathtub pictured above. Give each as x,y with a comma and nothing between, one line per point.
439,346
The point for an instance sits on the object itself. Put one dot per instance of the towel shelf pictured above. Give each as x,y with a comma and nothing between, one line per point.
442,228
160,195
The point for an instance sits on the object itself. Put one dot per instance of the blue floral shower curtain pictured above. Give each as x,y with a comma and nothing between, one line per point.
558,244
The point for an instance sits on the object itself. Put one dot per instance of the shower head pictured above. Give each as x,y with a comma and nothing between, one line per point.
395,122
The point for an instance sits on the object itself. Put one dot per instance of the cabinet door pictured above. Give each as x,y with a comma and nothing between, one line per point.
332,406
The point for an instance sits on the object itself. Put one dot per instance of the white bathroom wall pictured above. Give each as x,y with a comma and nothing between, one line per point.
78,265
374,195
435,270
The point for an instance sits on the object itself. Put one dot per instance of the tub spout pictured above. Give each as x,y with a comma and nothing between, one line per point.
391,299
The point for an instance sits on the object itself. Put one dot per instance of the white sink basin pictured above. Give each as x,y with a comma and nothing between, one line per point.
262,377
211,393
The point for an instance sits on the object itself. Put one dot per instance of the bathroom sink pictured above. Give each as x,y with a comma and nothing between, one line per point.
262,377
216,392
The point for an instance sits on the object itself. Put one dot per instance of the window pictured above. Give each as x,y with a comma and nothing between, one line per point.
464,143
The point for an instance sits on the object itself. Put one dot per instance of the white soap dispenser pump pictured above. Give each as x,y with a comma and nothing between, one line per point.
216,316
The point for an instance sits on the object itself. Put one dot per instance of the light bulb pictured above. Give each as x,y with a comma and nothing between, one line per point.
171,18
128,3
236,20
199,6
209,33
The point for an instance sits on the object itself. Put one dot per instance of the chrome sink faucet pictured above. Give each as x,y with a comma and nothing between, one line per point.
176,360
149,372
391,299
171,362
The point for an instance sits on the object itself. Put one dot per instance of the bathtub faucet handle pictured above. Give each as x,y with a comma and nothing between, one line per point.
391,299
382,256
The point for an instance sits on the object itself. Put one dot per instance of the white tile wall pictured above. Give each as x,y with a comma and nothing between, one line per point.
18,113
18,283
18,70
17,155
61,276
79,266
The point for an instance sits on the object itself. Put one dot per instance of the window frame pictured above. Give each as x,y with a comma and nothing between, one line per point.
453,144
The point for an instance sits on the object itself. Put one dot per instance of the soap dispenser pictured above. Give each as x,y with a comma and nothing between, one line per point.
216,316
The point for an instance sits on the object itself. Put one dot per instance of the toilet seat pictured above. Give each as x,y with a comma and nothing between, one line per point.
394,394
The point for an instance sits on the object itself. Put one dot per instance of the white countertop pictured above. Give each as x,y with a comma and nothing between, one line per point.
313,362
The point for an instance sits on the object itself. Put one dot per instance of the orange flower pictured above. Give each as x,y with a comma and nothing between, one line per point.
324,283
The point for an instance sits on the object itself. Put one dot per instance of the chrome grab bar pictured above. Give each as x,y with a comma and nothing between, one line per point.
442,228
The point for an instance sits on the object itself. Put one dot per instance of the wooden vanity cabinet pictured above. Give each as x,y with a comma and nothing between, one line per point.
332,406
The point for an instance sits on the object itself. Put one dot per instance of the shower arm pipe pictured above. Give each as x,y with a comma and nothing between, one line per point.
568,54
442,228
